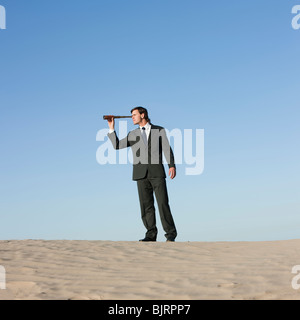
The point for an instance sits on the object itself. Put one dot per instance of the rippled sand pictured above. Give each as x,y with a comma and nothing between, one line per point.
65,269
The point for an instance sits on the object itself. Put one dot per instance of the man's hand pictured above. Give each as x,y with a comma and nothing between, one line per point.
111,123
172,173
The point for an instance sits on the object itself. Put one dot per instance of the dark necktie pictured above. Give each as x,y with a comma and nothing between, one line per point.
144,136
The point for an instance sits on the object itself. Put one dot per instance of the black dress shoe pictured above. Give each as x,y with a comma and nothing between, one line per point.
148,239
170,240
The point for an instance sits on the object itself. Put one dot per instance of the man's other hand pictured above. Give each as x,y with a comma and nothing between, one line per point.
172,173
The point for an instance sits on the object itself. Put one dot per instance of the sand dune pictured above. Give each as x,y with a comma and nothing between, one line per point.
63,269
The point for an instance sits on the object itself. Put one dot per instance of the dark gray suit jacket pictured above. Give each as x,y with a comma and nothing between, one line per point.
146,158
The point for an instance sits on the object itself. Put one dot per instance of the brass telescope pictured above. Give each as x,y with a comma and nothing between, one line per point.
108,117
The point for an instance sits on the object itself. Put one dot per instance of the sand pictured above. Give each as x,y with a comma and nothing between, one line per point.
116,270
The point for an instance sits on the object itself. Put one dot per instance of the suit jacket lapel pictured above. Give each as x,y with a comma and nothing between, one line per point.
149,138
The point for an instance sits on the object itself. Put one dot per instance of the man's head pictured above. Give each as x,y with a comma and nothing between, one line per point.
139,115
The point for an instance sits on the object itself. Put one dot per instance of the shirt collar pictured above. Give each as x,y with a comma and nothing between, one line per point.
147,126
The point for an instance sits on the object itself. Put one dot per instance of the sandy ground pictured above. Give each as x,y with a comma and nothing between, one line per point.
65,269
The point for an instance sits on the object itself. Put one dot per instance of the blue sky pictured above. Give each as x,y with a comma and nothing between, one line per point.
230,68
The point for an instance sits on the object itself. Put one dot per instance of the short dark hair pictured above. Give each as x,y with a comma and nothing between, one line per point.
142,110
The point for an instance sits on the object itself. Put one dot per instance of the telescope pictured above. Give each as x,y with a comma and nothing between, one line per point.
108,117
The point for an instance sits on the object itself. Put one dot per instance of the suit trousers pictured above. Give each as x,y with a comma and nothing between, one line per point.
146,187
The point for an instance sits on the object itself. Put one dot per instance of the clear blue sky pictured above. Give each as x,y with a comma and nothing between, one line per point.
230,68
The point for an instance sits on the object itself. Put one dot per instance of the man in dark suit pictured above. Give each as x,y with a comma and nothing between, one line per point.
149,142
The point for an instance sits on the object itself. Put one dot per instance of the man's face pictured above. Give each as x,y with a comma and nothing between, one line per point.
136,117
